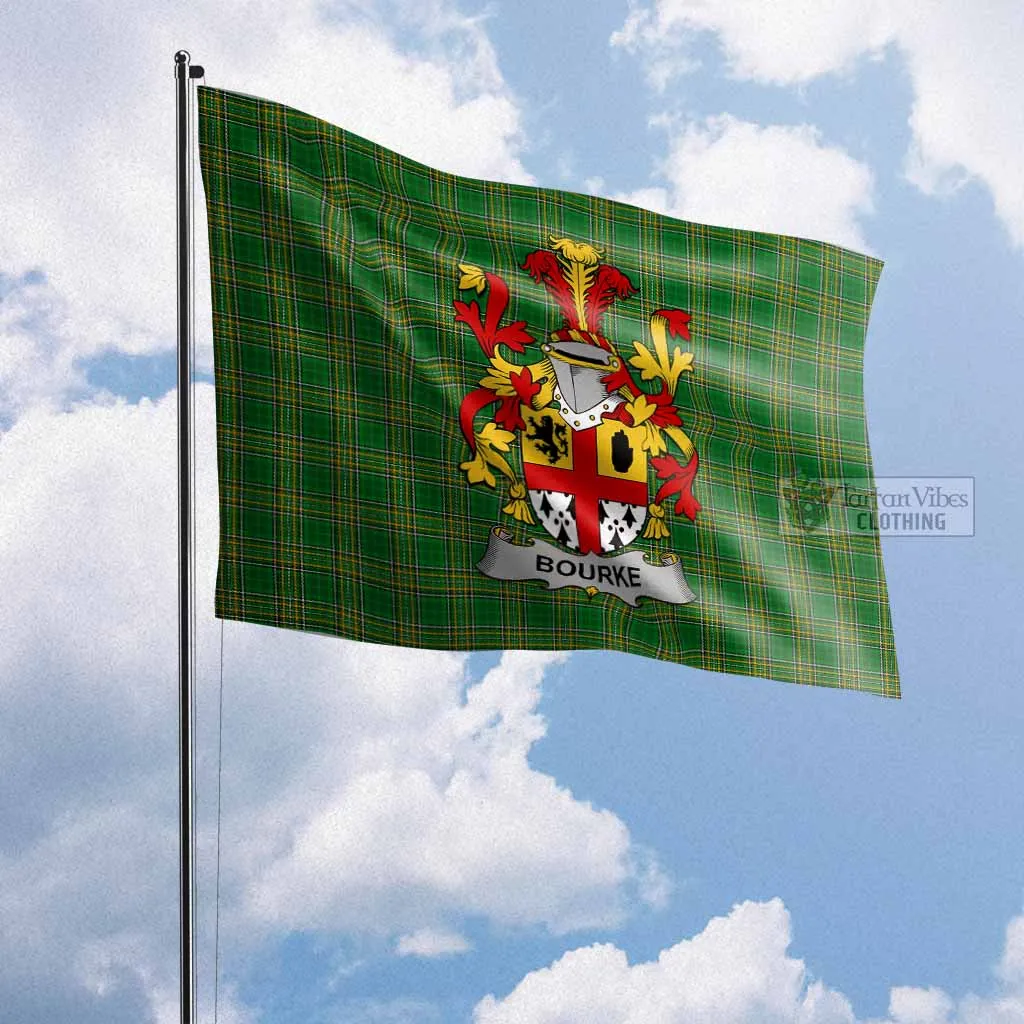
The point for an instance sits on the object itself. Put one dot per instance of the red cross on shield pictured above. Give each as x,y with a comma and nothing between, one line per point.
588,485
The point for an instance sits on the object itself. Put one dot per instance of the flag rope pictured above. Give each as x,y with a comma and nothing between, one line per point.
216,898
194,447
192,84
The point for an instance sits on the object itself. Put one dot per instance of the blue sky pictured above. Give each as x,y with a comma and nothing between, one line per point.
415,837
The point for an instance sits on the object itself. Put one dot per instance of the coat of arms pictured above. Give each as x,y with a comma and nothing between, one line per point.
587,434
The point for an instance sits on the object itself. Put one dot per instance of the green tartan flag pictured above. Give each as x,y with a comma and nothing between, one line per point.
460,414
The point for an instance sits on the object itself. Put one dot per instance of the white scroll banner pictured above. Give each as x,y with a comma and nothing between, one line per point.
628,576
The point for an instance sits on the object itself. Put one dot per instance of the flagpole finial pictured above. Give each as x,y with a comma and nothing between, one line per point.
183,57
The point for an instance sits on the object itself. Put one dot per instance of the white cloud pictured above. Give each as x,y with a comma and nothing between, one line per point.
366,789
909,1005
1011,967
432,942
36,357
963,57
88,851
782,179
440,812
86,169
919,1006
784,43
736,971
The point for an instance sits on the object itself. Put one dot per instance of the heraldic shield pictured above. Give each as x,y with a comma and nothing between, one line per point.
587,485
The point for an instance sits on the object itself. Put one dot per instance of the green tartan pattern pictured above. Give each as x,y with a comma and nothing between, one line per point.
340,370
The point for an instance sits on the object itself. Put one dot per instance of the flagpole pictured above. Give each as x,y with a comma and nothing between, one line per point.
183,72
